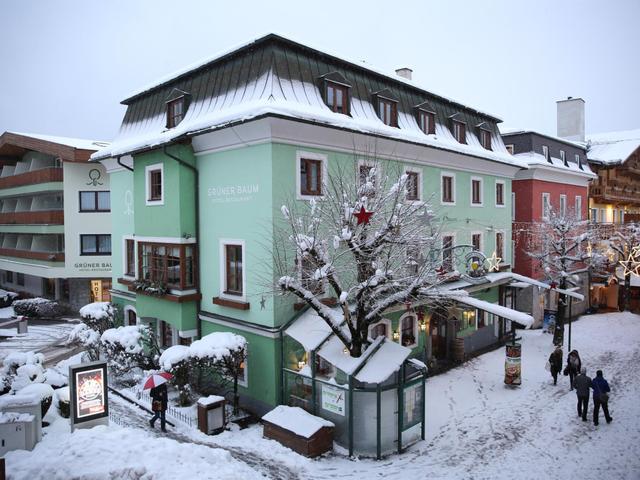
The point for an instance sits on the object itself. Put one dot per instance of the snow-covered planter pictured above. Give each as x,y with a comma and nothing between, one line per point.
148,287
37,308
42,391
130,347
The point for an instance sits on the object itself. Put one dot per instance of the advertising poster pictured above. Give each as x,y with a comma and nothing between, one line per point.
333,399
413,406
549,323
513,365
88,389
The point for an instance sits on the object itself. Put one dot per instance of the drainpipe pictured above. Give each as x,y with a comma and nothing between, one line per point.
197,226
123,165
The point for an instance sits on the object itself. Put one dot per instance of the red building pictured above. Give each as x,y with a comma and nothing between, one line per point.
558,177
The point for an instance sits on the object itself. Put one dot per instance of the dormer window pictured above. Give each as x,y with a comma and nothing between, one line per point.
337,97
578,161
545,153
459,131
388,112
485,139
175,111
563,157
427,121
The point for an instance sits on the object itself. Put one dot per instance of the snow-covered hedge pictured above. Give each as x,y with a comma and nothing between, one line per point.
6,298
99,316
129,347
37,307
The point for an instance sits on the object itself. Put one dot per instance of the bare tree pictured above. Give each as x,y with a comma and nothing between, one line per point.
626,243
560,244
370,241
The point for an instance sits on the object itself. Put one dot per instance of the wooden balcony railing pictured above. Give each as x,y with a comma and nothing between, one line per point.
48,256
610,194
43,217
44,175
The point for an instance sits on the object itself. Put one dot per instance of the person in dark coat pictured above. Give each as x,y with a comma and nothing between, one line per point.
159,402
555,360
582,384
573,366
600,397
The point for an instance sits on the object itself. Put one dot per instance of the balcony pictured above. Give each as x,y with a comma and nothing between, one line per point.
31,255
43,175
46,217
615,194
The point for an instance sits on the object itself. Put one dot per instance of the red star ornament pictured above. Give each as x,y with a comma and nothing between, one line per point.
363,216
553,285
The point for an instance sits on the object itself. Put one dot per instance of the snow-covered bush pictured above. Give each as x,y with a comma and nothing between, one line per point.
20,369
6,298
130,347
62,399
37,307
177,361
86,337
99,316
42,391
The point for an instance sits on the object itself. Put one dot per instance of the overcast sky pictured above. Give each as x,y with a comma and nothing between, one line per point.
66,65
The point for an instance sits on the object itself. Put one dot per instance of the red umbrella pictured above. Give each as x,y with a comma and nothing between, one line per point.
157,379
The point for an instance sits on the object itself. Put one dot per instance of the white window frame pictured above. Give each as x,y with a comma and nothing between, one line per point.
124,256
125,313
545,211
223,265
481,180
147,183
578,207
420,179
384,321
481,233
510,148
504,193
415,329
364,163
563,205
311,156
563,156
453,188
545,152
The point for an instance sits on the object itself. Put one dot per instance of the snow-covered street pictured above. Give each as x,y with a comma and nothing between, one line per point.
477,428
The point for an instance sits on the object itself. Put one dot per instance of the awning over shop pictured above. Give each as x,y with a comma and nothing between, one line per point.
504,312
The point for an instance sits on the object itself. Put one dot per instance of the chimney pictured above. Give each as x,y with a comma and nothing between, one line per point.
571,119
404,73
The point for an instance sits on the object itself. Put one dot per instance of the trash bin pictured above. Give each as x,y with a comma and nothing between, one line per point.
22,324
211,414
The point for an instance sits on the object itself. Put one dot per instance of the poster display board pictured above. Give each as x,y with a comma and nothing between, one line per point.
413,408
88,395
333,399
513,365
549,322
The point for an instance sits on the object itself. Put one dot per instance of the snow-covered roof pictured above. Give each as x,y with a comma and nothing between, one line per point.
519,317
80,143
383,363
534,159
296,420
277,84
613,147
309,330
506,131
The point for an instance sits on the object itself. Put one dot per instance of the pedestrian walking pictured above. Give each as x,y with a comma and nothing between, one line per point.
582,384
600,397
555,363
573,366
159,401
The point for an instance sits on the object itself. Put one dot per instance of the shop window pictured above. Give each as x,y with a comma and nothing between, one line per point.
408,331
95,201
338,97
169,264
95,244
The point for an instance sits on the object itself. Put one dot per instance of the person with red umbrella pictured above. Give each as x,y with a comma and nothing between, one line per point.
159,398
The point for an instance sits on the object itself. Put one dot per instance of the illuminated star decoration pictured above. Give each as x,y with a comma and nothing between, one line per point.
631,266
363,216
493,262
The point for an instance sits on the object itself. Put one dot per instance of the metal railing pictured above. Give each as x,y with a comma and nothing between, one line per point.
187,420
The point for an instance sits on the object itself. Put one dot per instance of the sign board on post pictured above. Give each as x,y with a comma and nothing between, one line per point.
333,399
88,395
96,289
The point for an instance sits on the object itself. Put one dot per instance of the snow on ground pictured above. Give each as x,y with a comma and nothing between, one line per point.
476,428
7,312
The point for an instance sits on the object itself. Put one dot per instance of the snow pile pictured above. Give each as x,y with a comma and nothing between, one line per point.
122,453
204,401
296,420
84,335
97,310
11,417
41,390
21,369
54,378
62,394
217,345
129,338
174,355
9,401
